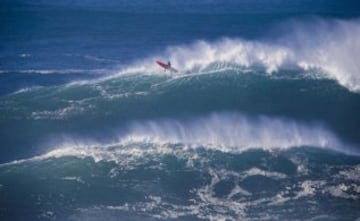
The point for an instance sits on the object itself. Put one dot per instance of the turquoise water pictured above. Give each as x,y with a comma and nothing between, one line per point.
260,123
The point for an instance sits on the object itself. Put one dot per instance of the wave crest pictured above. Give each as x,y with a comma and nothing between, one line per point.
226,132
234,132
330,46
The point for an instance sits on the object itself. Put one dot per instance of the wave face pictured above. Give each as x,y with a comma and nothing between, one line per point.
260,123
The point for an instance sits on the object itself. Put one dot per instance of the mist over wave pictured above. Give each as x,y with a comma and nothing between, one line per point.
234,131
330,47
260,123
226,132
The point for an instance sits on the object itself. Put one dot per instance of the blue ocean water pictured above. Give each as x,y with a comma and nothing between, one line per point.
260,123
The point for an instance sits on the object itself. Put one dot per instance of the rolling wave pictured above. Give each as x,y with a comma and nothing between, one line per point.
234,131
260,123
232,83
328,47
225,132
321,48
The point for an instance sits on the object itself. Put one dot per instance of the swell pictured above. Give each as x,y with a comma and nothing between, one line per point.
113,103
289,76
17,81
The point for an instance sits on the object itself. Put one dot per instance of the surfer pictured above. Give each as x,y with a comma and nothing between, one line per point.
166,66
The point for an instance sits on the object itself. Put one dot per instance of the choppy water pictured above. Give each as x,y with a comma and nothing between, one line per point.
261,122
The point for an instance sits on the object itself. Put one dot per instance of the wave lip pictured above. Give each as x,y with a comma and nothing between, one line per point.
329,47
235,132
225,131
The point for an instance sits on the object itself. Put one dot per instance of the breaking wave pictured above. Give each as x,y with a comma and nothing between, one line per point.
325,48
234,132
226,132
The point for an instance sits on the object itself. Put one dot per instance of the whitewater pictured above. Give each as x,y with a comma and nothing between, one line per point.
329,50
260,123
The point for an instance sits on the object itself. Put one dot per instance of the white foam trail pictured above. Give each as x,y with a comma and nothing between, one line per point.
55,71
62,113
328,46
27,89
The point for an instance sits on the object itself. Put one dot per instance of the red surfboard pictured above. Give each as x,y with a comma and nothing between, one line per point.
166,66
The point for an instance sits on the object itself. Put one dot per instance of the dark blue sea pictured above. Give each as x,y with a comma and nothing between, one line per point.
261,121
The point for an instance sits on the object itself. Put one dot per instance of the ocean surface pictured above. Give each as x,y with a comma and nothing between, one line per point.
262,121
